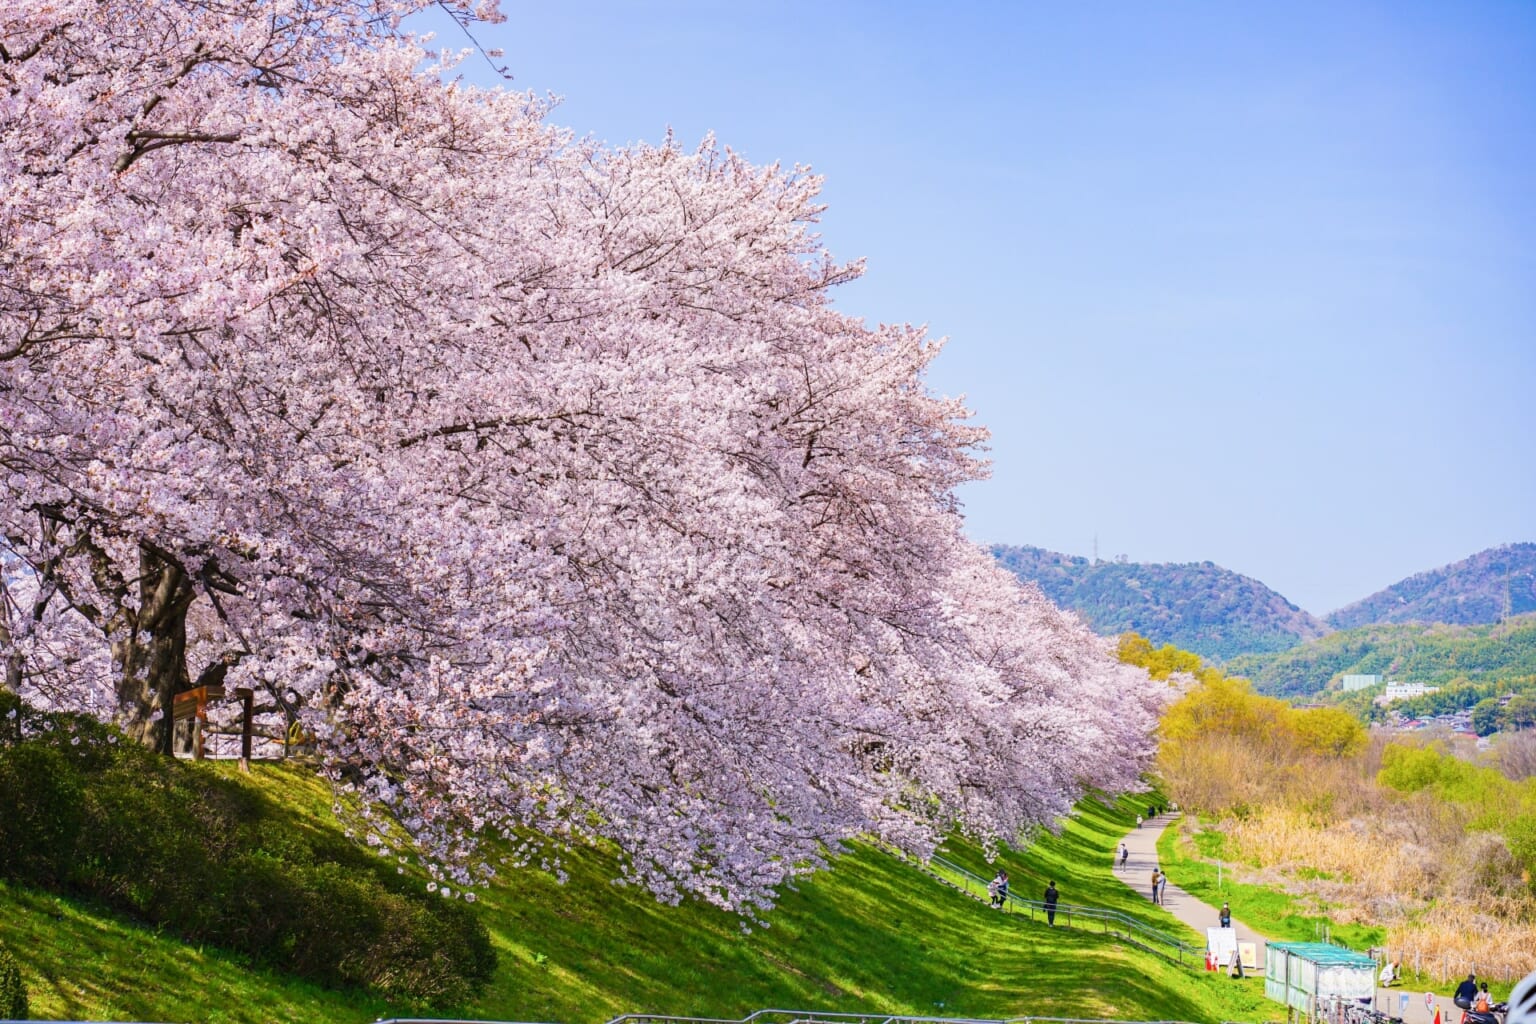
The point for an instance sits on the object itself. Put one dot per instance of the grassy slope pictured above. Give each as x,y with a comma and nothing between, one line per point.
82,964
872,934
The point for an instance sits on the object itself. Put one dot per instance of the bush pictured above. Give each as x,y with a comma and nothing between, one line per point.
1520,834
13,991
39,814
339,926
84,810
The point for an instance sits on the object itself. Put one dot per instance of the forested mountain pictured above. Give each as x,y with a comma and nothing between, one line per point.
1485,588
1198,606
1434,654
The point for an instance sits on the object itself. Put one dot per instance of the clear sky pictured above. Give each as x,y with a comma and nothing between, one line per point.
1253,285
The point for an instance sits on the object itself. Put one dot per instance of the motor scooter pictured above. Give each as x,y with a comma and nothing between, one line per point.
1493,1015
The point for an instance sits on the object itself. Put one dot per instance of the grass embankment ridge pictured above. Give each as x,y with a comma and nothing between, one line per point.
870,935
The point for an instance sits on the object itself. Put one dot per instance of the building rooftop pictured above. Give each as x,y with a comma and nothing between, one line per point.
1325,953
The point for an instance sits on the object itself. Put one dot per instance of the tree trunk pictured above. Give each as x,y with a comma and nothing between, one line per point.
13,661
150,654
15,664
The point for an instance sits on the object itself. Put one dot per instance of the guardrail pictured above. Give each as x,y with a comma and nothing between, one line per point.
804,1017
1113,922
759,1017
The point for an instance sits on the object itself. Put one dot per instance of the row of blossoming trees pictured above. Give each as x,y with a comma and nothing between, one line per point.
541,475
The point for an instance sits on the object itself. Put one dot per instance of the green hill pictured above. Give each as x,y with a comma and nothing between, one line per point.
1487,587
1432,654
871,934
1196,606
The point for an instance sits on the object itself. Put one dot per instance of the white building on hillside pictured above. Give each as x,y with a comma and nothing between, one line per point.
1402,691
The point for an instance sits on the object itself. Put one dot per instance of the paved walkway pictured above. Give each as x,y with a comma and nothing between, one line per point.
1142,843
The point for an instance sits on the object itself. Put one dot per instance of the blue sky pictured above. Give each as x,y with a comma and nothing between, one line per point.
1248,284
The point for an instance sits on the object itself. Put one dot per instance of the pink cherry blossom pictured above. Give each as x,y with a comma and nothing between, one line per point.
539,478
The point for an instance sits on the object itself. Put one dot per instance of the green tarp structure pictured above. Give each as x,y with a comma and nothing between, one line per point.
1298,974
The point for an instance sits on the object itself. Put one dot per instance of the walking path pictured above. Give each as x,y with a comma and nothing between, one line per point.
1142,843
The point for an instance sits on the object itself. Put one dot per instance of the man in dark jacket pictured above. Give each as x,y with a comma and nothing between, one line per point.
1050,904
1466,992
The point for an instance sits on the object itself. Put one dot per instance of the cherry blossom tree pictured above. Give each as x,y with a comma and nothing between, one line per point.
540,478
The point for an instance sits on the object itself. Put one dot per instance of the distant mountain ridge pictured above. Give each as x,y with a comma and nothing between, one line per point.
1197,606
1487,587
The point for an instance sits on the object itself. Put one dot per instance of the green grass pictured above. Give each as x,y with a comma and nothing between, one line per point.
1078,861
1189,855
871,934
80,963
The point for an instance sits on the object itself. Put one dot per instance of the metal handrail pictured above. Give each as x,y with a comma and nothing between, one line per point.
814,1016
1068,910
803,1017
788,1017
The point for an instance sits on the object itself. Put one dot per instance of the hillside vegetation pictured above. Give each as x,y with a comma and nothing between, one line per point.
85,812
1432,654
872,933
1197,606
1485,588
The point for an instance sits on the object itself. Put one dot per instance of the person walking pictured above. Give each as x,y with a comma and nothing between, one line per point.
1162,887
997,889
1125,854
1225,919
1050,904
1156,874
